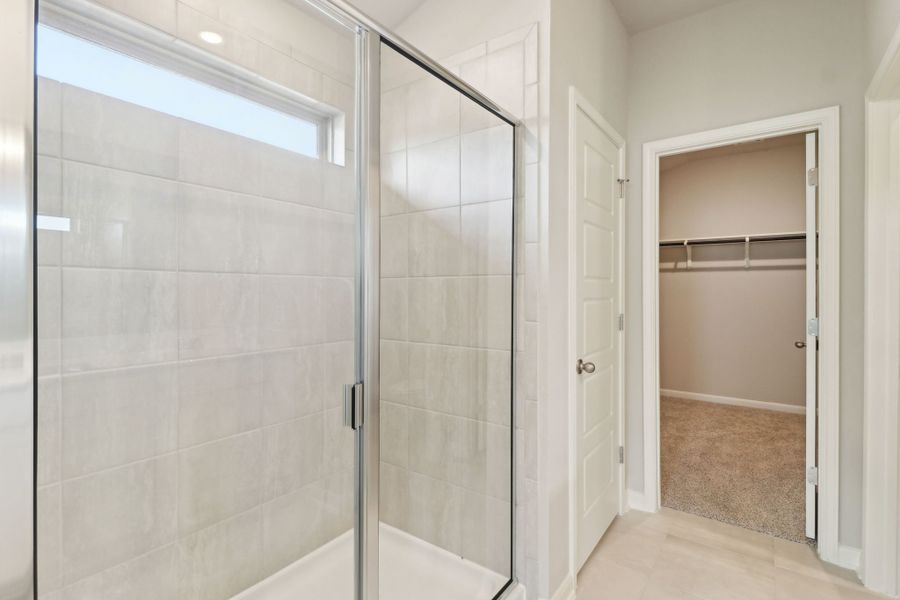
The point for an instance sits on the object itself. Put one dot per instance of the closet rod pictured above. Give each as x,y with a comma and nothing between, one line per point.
736,239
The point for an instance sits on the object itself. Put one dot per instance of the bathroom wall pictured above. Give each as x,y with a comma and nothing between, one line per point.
194,328
726,330
447,234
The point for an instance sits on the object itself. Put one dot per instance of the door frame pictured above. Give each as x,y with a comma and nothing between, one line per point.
578,102
880,561
826,122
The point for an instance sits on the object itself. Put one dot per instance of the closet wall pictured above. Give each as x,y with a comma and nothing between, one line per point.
725,330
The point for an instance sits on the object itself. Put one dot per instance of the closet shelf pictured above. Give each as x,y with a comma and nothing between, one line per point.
735,239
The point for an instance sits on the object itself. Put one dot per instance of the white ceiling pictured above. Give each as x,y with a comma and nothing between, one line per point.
389,13
638,15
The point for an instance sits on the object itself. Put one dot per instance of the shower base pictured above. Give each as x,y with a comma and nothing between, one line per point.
411,569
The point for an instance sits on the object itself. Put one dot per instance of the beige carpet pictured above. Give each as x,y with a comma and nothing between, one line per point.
743,466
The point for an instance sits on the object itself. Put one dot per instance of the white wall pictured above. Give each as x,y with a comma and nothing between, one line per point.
726,330
589,49
744,61
882,19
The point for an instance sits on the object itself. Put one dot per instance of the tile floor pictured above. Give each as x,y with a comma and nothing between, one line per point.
677,556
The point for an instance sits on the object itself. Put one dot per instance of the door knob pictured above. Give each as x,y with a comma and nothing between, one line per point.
584,367
800,345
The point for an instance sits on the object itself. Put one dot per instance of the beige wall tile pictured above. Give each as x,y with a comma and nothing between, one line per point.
293,455
49,539
218,397
219,480
111,418
435,511
394,434
487,165
118,219
293,526
221,560
49,202
394,493
485,307
434,310
393,180
432,112
393,120
338,306
117,318
49,430
104,131
433,175
217,231
289,239
338,247
49,320
395,246
486,238
292,383
218,314
49,117
434,242
116,515
394,371
148,577
290,311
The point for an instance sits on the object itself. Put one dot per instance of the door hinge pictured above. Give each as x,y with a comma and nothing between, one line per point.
354,413
812,176
622,183
621,455
621,322
812,475
812,327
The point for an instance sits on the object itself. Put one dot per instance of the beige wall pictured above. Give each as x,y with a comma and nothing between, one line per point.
730,65
726,330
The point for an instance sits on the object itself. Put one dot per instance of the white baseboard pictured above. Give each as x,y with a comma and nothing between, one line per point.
566,589
638,501
848,557
788,408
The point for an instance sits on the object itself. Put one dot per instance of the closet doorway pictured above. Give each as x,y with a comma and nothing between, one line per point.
739,411
734,301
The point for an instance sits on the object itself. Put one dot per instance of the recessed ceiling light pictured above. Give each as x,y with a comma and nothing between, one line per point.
211,37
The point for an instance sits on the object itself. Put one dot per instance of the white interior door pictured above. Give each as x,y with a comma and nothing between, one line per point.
811,332
597,225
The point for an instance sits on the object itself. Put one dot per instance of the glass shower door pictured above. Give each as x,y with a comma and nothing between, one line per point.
446,339
196,300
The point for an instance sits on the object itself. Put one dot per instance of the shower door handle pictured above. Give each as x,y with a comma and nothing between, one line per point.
584,367
353,405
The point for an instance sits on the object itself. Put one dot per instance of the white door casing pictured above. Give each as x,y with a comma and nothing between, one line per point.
812,334
597,222
826,123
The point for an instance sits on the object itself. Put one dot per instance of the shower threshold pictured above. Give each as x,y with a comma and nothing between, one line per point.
411,568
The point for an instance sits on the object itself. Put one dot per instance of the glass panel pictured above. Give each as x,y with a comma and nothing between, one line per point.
446,327
196,302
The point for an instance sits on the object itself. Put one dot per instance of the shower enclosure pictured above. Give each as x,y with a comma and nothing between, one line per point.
258,282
